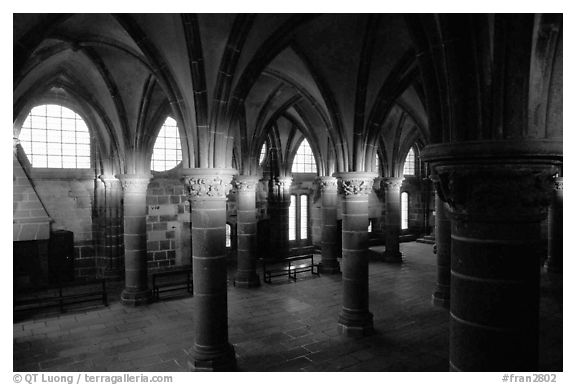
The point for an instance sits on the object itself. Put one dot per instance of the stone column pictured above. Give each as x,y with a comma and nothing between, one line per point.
330,252
555,228
113,233
246,275
136,290
498,195
378,223
207,189
442,248
393,218
355,318
278,205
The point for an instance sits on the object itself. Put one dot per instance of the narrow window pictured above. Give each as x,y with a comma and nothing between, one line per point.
167,149
304,159
55,137
263,153
228,235
370,225
303,216
404,209
292,219
409,163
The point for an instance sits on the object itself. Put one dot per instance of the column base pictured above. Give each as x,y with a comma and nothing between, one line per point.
329,268
206,359
131,297
247,280
355,324
441,299
392,256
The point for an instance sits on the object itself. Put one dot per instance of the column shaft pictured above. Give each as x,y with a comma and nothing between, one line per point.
246,225
278,206
441,296
330,251
555,229
497,203
355,317
211,350
393,218
136,290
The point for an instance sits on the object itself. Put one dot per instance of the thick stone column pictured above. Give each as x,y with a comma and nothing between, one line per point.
113,233
498,194
330,252
246,275
355,318
442,248
393,218
278,205
136,290
555,228
207,189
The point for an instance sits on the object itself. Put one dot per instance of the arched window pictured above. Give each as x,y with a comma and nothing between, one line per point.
263,153
167,149
409,163
304,159
404,210
54,136
228,235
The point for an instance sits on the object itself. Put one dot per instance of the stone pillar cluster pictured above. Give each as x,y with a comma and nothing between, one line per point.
555,229
393,217
278,205
113,229
136,291
246,275
207,191
497,204
330,252
355,317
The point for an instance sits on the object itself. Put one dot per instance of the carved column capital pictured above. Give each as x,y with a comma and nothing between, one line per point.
207,183
559,183
283,182
134,183
15,143
355,183
327,183
498,190
392,183
110,181
245,183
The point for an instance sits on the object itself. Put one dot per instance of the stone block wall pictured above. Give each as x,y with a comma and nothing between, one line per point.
167,224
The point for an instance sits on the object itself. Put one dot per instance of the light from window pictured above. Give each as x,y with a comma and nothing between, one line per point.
409,163
167,149
263,152
370,225
292,219
228,235
377,162
304,159
55,137
404,210
303,216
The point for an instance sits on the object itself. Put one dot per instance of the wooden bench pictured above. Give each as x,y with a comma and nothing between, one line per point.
63,295
289,267
171,280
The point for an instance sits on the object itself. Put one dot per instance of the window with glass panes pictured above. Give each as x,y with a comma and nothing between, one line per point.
404,210
167,148
409,163
298,218
292,219
54,136
263,152
304,159
228,235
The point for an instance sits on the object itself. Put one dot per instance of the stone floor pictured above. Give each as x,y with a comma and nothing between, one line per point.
285,326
